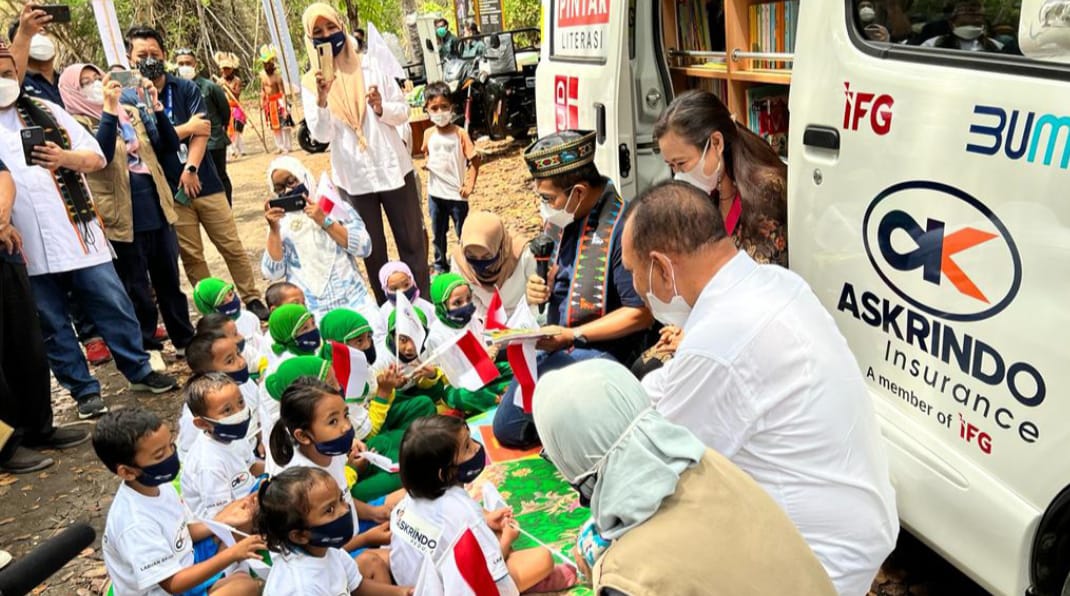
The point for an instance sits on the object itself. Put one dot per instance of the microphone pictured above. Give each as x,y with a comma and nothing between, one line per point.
23,575
542,248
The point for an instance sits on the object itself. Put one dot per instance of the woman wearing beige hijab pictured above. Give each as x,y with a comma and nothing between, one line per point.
491,258
358,112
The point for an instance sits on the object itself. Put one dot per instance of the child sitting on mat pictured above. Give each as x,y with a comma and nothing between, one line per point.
396,278
151,543
220,467
439,456
283,292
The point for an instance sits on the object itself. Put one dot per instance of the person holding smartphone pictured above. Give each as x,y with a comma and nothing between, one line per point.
313,245
357,111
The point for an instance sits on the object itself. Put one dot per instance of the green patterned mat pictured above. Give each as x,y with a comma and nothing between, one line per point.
543,504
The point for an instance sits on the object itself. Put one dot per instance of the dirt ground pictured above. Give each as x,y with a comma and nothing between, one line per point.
35,507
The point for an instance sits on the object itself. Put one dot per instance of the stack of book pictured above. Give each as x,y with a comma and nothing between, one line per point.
772,29
768,117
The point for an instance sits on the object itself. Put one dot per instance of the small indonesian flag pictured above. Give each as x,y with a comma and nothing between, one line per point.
492,499
466,571
465,362
496,317
407,323
521,356
328,198
350,367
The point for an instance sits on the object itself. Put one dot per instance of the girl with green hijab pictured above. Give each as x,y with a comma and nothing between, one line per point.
656,491
379,419
213,295
294,331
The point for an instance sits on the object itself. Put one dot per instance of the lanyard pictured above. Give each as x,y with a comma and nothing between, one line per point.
732,219
168,103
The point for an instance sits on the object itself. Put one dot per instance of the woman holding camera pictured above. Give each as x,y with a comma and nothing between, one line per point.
313,246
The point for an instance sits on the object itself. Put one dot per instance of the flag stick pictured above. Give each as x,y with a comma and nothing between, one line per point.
552,550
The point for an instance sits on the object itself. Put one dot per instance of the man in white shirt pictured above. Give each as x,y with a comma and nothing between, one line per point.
764,377
64,246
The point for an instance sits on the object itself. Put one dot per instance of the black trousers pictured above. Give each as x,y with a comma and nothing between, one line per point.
25,395
219,158
402,208
150,264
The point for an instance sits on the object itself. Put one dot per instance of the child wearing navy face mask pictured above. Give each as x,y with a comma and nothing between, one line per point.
396,277
314,431
307,519
149,535
438,457
220,466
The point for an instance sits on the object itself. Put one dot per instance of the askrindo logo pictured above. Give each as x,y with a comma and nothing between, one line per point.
942,250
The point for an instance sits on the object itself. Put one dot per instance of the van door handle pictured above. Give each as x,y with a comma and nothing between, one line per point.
825,137
600,122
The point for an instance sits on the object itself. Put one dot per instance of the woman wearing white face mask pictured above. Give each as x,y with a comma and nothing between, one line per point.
133,199
968,30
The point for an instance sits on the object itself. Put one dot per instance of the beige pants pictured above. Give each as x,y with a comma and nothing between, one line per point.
215,215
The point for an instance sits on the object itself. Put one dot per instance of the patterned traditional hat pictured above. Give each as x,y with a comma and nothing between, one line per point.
560,153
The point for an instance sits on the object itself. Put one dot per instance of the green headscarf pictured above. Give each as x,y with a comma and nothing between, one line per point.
283,325
441,287
293,369
391,326
210,293
614,433
341,325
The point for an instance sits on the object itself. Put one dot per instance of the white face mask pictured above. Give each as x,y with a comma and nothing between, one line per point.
9,92
442,118
94,91
42,48
187,72
968,32
558,217
674,312
866,14
697,176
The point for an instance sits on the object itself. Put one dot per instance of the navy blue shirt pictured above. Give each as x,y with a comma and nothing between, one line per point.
5,256
619,289
181,99
36,85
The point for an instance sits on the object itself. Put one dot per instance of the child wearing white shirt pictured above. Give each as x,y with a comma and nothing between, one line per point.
149,534
220,467
306,517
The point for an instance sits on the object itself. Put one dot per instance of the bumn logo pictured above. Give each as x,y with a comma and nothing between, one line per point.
942,250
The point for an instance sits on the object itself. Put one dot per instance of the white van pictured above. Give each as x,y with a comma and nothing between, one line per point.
929,208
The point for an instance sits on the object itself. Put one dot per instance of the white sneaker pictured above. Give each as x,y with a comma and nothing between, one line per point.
5,558
156,361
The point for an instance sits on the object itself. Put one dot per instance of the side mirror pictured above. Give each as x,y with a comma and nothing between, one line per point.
430,46
1044,30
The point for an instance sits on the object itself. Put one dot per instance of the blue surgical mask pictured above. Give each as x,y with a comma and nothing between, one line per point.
338,446
233,427
412,294
470,470
240,376
160,473
336,39
461,315
308,341
483,267
230,309
333,534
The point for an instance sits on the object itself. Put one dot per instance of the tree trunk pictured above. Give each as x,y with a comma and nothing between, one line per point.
408,9
352,14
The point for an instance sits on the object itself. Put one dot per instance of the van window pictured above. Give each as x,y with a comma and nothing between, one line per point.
977,26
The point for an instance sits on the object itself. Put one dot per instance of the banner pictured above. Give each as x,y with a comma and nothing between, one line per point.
280,38
110,33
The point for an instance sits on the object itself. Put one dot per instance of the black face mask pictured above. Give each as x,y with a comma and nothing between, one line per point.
370,354
585,490
151,68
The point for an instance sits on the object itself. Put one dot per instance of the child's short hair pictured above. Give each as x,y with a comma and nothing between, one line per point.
274,295
117,433
212,322
284,506
200,386
428,449
437,89
296,410
199,351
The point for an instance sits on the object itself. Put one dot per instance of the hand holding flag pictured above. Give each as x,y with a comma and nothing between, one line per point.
328,199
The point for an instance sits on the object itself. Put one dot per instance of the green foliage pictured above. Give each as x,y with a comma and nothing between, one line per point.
522,13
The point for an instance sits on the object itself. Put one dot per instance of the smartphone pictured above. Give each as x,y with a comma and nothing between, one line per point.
326,60
127,78
289,203
61,13
32,136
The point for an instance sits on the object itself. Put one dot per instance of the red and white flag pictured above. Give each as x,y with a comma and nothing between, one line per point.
521,356
407,323
465,362
328,198
466,571
350,367
496,317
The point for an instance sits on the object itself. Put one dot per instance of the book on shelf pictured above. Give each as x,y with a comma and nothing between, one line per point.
768,115
772,27
699,27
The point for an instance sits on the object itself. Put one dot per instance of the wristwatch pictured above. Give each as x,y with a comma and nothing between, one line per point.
327,222
579,340
192,169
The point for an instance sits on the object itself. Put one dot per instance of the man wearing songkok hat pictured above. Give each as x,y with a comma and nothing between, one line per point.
589,297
